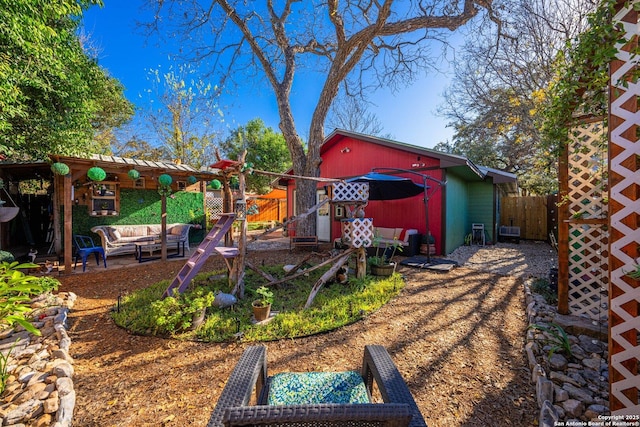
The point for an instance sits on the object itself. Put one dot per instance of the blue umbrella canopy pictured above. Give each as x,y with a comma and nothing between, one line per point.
389,187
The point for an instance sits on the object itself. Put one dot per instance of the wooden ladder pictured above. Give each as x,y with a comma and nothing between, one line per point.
200,255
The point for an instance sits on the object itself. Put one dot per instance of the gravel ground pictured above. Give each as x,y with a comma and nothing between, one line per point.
521,260
524,260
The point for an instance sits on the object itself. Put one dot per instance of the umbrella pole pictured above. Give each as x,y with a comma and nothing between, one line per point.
426,219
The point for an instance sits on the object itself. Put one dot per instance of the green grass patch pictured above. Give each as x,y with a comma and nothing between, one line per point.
144,312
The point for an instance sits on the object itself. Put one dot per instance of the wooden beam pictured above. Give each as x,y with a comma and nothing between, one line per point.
68,223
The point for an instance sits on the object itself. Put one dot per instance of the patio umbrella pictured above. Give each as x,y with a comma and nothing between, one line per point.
389,187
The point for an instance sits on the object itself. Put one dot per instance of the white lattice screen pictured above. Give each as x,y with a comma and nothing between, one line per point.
214,205
358,232
624,176
350,192
588,235
588,267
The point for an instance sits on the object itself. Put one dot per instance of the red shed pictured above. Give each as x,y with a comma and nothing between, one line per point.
467,194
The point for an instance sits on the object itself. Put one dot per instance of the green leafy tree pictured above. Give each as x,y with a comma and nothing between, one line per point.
498,93
136,148
266,150
53,96
184,117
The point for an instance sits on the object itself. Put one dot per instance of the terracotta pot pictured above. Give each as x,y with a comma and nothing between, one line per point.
261,312
383,270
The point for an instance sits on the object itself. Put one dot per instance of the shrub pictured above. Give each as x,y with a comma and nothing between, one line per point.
16,290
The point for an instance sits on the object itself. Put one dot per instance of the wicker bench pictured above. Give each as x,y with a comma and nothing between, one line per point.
509,232
308,241
250,376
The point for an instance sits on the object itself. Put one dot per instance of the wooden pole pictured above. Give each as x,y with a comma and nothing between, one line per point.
163,228
239,261
361,263
68,229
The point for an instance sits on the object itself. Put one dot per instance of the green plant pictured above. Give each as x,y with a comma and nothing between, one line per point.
541,287
557,338
265,296
4,364
16,289
175,313
468,239
635,273
333,307
380,259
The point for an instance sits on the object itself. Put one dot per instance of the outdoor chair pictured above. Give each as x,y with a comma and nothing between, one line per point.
316,398
84,247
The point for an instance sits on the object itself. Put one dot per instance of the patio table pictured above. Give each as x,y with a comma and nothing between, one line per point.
156,245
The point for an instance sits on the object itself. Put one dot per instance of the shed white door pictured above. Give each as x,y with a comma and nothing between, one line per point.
323,219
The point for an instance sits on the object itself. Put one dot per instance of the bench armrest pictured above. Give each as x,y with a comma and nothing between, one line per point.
249,374
377,366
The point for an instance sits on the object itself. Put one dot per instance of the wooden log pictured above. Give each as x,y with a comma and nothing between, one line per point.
290,220
298,265
325,277
315,267
264,274
361,263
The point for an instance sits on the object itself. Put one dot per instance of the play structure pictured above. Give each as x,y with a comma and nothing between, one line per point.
357,230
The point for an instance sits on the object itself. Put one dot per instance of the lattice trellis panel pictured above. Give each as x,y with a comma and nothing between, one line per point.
588,277
624,178
587,171
357,232
586,210
214,206
350,192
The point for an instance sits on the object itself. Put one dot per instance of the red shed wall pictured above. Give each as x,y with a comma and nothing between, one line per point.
351,157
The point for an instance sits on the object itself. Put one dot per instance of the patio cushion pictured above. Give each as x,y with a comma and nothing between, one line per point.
300,388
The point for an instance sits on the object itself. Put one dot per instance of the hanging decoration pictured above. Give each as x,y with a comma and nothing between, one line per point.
165,180
96,174
247,167
241,210
192,179
215,184
59,168
164,187
133,174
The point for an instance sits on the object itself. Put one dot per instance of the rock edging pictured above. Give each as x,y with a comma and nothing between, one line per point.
39,389
569,390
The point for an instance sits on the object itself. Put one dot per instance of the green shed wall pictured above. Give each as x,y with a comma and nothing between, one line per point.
481,209
455,213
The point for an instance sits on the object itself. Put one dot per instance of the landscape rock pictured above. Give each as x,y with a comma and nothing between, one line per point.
579,380
39,389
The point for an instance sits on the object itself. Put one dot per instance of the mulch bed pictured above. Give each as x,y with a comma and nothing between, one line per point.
456,337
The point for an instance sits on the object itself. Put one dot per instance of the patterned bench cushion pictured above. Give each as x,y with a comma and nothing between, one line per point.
300,388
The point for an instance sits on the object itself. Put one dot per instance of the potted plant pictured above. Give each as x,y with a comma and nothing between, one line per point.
262,306
382,264
105,208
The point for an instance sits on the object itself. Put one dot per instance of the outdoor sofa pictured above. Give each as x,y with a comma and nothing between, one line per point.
387,236
121,239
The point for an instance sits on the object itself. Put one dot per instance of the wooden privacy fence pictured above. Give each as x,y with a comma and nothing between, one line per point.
268,210
530,213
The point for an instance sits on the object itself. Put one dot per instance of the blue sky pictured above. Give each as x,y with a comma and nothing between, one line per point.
408,115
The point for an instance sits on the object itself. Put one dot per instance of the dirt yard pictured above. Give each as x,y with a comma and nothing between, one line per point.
456,337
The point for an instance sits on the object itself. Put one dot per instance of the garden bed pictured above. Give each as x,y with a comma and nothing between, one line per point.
457,339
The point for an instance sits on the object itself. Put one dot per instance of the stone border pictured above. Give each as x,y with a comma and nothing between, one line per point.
39,390
569,390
